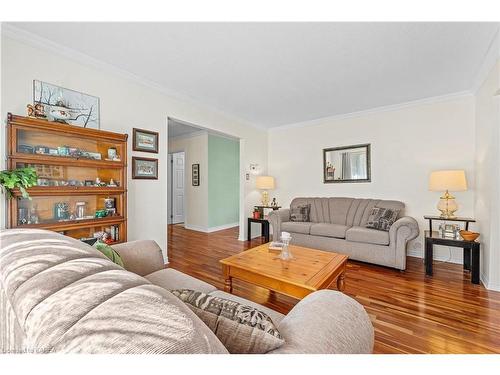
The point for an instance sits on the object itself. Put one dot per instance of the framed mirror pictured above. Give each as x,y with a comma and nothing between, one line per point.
346,164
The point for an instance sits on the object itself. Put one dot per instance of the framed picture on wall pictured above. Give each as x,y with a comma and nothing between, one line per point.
145,140
195,174
144,168
65,105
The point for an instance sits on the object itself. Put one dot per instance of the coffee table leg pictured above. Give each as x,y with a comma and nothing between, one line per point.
228,280
341,282
228,285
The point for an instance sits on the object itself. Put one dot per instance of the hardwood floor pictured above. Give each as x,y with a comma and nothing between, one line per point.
411,313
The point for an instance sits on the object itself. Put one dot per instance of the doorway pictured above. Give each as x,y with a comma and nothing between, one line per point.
176,187
211,197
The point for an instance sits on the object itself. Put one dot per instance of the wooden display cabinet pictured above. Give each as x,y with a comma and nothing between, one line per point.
70,161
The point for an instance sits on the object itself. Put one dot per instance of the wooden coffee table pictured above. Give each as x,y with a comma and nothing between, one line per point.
308,271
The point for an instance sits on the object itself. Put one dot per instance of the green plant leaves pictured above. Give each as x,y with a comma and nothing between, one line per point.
21,178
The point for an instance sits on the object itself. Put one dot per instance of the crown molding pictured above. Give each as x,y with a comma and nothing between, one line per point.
388,108
36,41
489,60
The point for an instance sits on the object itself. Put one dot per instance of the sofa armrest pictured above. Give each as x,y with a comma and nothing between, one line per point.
403,230
326,322
141,257
276,217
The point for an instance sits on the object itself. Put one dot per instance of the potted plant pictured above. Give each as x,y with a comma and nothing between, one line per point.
21,178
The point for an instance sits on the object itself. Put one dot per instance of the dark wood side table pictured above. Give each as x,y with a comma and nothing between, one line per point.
471,248
264,225
262,208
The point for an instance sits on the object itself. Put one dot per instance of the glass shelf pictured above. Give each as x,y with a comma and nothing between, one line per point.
54,175
43,143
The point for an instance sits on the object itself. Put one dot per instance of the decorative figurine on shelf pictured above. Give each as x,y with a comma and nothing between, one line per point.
99,183
112,183
22,216
111,153
61,211
37,110
33,217
274,203
101,213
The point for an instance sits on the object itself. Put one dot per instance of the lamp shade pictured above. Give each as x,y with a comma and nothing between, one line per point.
265,182
453,180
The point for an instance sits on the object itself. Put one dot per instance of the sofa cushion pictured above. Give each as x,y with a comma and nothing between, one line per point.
382,218
300,213
172,279
345,211
296,227
329,230
110,253
274,315
243,329
367,235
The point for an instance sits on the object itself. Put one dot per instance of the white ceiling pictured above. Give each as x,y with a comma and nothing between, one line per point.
178,128
272,74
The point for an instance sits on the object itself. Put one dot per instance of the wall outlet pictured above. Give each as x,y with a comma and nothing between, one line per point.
247,176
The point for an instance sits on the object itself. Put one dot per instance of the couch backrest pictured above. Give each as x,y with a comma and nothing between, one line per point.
68,297
345,211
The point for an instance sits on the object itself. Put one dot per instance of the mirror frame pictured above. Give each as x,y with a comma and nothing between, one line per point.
368,162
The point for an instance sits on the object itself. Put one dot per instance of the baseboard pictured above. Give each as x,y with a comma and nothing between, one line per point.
222,227
420,254
484,279
199,228
486,282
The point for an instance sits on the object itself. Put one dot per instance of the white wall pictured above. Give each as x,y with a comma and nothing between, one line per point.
406,145
487,199
195,147
125,103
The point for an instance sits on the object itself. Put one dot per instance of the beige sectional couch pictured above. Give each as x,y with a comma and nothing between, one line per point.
59,295
338,224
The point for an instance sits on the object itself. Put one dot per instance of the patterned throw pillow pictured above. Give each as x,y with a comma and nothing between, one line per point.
382,218
300,213
110,253
241,329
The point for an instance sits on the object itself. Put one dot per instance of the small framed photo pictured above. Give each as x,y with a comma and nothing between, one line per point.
144,168
195,174
145,141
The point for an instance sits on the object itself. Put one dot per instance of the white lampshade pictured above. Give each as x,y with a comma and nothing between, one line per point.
265,182
451,180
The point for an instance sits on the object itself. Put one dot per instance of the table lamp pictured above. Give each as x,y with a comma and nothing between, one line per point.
265,183
451,180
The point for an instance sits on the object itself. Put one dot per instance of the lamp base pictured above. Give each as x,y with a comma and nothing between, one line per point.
447,206
264,198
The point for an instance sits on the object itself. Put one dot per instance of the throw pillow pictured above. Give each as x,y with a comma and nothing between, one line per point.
300,213
110,253
382,218
241,329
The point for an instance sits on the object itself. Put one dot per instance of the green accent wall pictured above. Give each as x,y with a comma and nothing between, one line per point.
223,181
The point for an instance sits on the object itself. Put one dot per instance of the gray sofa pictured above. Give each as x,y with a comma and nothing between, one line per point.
59,295
338,224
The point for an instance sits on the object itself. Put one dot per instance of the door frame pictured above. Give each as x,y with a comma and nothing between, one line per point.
243,171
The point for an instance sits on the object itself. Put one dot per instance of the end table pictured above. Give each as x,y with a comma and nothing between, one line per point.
471,248
264,225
